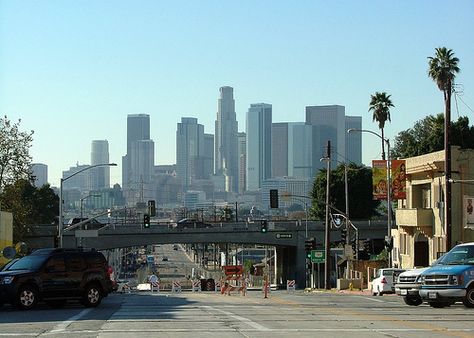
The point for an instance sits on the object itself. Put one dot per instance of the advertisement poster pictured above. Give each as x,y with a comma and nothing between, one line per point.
379,179
468,205
399,187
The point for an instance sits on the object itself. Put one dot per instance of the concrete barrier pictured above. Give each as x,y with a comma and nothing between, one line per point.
345,284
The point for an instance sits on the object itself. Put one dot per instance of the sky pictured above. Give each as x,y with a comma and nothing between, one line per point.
73,70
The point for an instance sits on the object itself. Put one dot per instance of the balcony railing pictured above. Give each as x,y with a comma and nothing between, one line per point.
415,217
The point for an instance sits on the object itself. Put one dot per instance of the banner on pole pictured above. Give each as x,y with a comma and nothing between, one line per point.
399,186
379,179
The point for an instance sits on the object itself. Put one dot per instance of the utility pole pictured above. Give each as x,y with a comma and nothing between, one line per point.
327,264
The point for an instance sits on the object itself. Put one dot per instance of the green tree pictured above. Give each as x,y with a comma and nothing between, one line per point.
15,160
427,136
380,104
359,178
29,205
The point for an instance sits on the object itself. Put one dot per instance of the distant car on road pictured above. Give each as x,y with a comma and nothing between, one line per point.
384,281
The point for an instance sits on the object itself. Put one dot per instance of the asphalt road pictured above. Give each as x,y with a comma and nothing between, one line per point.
210,314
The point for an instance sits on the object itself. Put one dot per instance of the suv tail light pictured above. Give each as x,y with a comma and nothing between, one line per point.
110,271
383,281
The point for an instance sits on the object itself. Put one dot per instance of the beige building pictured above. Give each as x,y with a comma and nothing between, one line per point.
421,235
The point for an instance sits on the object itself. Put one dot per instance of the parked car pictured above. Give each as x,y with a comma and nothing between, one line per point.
408,286
451,279
41,276
384,281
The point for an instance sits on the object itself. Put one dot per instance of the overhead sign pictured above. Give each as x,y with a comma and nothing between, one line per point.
318,256
231,270
284,236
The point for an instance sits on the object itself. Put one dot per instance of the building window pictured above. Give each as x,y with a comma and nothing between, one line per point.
426,197
403,244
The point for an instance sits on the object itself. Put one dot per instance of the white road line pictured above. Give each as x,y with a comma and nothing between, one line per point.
370,298
247,321
61,327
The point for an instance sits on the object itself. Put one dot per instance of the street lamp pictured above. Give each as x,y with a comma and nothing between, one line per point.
83,198
60,222
389,187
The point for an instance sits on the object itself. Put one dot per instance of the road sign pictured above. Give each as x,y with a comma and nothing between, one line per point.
284,236
231,270
318,256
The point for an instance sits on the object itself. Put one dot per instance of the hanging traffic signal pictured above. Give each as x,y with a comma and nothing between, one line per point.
146,221
343,235
309,244
263,226
388,243
274,198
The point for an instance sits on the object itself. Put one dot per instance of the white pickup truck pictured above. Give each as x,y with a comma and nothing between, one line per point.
408,286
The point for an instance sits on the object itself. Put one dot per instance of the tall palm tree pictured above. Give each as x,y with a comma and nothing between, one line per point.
380,104
442,68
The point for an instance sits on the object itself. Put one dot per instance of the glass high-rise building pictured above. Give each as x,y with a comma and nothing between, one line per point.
259,144
225,139
40,174
137,164
99,176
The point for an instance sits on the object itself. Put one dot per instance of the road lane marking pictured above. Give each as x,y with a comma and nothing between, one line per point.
61,327
247,321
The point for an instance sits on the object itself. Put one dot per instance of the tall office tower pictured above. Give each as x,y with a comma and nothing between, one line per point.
259,144
80,181
99,176
190,151
40,174
354,140
242,152
225,138
208,155
142,161
280,143
332,121
138,130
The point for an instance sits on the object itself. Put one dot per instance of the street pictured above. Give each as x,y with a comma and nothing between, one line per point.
210,314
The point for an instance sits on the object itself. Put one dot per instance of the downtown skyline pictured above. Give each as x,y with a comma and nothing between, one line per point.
74,77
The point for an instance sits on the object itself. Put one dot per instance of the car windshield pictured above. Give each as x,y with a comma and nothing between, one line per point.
27,263
458,255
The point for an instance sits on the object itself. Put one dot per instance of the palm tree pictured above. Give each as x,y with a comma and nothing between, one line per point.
443,68
380,104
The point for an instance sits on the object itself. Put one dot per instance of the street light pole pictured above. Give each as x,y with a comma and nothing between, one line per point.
389,188
60,221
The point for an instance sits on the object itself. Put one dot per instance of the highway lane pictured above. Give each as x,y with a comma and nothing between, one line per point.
208,314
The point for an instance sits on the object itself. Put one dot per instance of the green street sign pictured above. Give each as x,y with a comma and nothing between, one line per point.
318,256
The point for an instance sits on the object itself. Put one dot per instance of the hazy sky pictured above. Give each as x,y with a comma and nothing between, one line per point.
73,70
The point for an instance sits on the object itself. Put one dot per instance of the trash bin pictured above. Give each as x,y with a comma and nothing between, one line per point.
210,285
204,285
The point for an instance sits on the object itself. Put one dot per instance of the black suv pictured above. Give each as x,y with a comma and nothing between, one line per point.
55,276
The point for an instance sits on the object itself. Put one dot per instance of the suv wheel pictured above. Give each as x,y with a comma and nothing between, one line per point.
468,301
27,297
412,301
92,296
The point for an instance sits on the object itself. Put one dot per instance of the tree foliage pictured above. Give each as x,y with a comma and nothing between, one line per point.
427,136
29,205
380,104
359,178
15,160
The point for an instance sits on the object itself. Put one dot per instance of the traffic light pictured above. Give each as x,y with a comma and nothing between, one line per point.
152,208
263,226
273,198
343,235
146,221
309,244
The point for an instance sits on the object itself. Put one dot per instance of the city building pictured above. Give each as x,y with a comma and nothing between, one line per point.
421,235
259,145
290,191
353,140
40,174
99,176
242,152
225,139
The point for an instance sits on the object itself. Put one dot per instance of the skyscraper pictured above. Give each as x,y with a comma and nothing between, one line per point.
242,146
138,163
99,176
259,144
190,151
40,174
354,140
225,138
